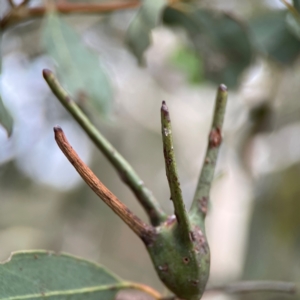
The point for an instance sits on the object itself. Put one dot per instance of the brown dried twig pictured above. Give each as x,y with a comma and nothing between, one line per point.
144,231
23,12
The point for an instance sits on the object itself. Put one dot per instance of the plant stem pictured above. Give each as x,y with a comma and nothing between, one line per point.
293,9
171,172
142,287
201,198
145,232
18,15
255,286
126,172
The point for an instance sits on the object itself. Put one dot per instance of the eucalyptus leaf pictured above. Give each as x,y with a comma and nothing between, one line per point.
45,275
78,68
139,31
272,37
220,41
6,119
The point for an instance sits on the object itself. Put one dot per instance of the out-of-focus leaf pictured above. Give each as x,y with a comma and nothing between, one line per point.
272,37
139,31
293,24
187,60
6,119
220,41
45,275
78,68
296,4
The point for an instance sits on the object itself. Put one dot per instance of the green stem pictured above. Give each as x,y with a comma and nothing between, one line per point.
255,286
171,172
201,198
126,172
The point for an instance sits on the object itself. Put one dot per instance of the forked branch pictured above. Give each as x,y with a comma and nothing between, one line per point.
144,231
126,172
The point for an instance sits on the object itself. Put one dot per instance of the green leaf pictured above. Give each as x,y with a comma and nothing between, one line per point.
293,24
6,119
220,41
45,275
78,68
272,37
139,31
187,61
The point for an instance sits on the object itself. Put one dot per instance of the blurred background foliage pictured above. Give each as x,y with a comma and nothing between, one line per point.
251,46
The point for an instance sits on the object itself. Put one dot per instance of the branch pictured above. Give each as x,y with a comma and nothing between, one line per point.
18,15
142,287
293,9
144,231
254,287
126,172
171,172
200,202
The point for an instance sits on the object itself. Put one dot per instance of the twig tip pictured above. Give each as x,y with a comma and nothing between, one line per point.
223,88
164,106
47,73
165,110
57,129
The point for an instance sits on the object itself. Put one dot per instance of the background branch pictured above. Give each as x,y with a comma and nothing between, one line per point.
126,172
144,231
23,13
255,286
293,9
